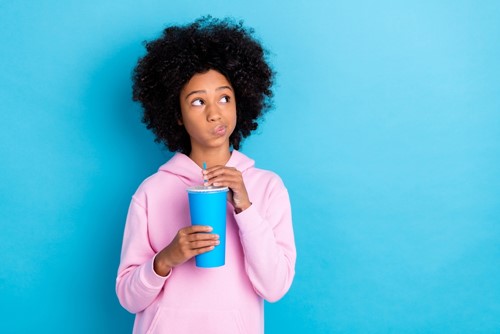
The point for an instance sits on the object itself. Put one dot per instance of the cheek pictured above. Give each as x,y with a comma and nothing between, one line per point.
190,127
233,121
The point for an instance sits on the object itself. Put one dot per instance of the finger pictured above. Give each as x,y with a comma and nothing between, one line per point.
235,187
217,168
195,229
220,170
199,251
223,177
202,237
227,179
203,244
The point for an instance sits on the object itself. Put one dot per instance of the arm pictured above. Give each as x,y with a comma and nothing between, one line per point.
137,285
143,272
269,247
267,237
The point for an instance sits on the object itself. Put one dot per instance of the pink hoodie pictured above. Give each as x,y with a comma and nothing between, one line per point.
260,255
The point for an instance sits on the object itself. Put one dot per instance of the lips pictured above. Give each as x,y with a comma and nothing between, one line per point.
220,130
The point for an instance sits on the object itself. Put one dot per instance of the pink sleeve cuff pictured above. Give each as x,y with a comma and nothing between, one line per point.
150,278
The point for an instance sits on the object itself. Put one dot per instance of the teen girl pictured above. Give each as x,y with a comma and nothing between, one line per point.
203,87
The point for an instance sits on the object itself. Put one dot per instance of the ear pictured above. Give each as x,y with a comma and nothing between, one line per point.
179,121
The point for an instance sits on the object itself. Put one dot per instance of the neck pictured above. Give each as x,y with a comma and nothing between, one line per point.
212,157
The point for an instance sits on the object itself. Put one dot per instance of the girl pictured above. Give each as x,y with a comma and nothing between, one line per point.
202,88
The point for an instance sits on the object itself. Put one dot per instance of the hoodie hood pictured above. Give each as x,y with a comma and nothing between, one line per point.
190,173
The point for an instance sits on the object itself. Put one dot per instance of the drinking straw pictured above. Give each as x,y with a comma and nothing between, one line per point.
205,180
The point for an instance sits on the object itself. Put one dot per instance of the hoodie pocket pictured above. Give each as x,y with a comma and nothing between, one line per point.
179,321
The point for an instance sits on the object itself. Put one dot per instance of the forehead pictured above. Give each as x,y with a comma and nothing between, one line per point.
206,81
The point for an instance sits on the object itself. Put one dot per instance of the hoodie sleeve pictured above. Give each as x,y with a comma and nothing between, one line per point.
268,245
137,284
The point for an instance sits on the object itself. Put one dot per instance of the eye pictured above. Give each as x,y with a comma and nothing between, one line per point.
197,102
225,99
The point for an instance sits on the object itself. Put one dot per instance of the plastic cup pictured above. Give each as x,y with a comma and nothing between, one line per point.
207,206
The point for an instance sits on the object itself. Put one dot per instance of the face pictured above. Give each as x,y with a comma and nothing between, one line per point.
208,110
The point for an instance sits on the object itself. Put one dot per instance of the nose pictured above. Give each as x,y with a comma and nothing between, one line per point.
213,113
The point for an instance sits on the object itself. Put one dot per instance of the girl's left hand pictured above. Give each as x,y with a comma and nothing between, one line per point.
222,176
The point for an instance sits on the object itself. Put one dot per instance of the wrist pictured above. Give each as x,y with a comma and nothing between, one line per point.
242,208
160,267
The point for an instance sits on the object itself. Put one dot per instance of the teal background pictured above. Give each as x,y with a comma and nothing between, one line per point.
386,131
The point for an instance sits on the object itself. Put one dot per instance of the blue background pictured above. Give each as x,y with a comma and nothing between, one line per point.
386,131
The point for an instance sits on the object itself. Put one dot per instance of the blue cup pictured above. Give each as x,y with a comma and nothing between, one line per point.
207,206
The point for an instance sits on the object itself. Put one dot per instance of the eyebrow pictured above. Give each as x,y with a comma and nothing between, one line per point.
204,91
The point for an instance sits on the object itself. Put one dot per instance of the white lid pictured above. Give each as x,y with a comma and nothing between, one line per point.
203,189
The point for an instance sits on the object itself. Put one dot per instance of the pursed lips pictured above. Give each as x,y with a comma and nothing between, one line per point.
220,130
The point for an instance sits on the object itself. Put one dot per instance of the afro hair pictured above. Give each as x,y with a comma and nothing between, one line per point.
183,51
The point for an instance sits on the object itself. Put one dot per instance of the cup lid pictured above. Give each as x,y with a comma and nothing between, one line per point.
210,189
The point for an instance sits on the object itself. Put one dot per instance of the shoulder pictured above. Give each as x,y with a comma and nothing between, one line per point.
158,184
251,173
264,179
146,187
264,173
167,173
151,182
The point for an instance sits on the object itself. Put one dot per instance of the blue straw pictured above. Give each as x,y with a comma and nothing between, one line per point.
204,168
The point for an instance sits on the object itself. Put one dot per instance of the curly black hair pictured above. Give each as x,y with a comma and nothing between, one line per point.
183,51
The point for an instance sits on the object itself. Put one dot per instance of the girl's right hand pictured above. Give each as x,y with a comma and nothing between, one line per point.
188,242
